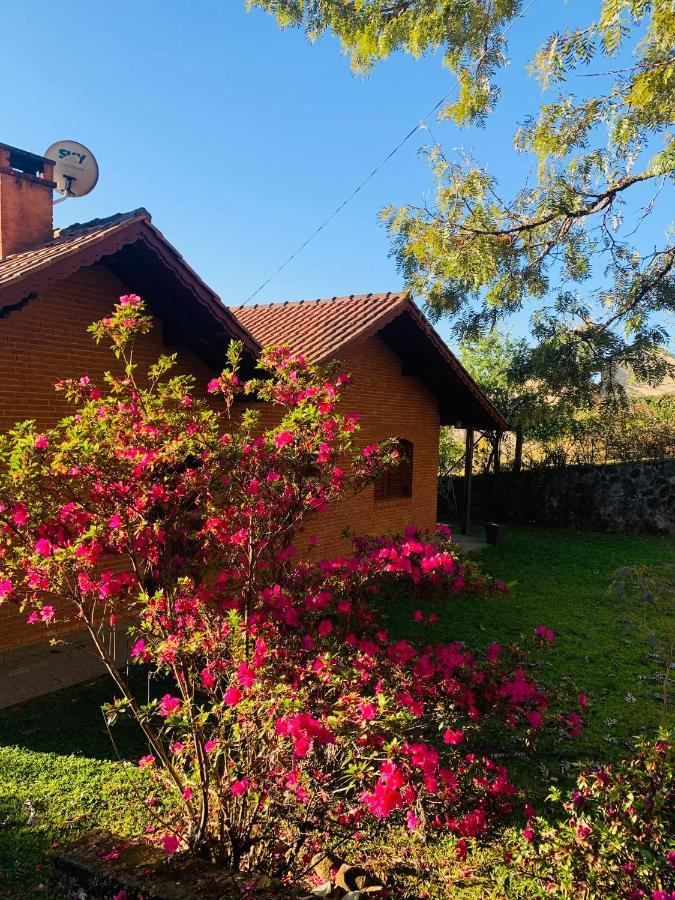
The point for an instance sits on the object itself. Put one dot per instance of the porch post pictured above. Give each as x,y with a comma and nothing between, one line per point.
468,471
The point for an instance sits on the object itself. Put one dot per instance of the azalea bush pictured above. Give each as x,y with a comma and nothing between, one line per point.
616,837
289,722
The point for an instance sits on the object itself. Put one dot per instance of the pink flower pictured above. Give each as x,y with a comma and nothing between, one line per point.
246,675
47,613
213,385
6,588
453,737
187,793
325,627
138,650
461,849
131,300
41,442
418,615
19,514
582,701
534,718
171,843
493,652
283,438
114,854
115,521
210,746
324,454
528,834
208,680
146,761
120,895
43,547
233,695
253,487
169,705
412,820
177,747
370,449
574,721
238,788
367,711
543,632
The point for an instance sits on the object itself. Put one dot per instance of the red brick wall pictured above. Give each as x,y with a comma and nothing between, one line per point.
25,210
390,405
47,340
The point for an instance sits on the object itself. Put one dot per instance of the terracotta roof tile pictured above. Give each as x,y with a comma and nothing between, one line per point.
319,328
65,242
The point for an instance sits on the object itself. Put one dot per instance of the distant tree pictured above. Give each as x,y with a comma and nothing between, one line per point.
497,363
639,428
560,244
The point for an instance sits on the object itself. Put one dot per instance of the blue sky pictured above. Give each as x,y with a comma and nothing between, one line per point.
240,138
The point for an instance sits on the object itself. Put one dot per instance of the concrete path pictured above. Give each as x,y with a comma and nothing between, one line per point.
38,669
468,541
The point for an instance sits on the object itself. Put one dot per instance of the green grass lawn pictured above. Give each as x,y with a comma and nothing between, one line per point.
560,579
60,776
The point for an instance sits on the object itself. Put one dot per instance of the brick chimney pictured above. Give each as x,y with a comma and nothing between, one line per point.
26,204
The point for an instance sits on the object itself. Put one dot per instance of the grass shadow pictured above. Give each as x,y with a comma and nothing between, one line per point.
69,722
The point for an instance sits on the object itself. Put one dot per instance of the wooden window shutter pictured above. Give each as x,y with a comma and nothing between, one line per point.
398,480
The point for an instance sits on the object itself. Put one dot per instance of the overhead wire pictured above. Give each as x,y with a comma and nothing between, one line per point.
422,124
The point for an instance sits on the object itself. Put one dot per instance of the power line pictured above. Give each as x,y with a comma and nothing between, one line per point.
338,209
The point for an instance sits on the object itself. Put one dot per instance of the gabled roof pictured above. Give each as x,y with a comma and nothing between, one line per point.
321,329
131,246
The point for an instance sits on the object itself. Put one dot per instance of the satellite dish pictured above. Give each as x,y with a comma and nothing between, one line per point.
75,169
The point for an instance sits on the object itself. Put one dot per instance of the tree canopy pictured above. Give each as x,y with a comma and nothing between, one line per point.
562,246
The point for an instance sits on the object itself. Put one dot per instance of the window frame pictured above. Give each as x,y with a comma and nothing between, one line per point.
396,482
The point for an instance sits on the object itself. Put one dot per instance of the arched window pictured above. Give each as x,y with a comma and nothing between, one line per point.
397,481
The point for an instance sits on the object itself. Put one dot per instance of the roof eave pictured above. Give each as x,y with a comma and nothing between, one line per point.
407,305
131,231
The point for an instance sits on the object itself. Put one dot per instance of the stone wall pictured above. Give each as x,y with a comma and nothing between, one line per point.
630,497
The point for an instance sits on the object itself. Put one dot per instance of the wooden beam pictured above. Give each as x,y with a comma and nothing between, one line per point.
518,453
468,471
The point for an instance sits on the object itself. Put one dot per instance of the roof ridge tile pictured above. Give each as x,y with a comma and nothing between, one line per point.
114,219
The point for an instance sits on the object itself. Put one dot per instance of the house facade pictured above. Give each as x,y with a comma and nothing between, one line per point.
53,284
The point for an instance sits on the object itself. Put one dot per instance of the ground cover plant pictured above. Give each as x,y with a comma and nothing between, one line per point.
57,747
291,721
615,837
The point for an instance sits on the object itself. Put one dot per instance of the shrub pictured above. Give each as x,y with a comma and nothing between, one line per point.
616,838
289,722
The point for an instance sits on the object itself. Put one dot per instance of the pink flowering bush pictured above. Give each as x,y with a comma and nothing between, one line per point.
289,721
616,837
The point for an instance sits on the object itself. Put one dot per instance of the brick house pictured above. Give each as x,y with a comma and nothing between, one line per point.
53,284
